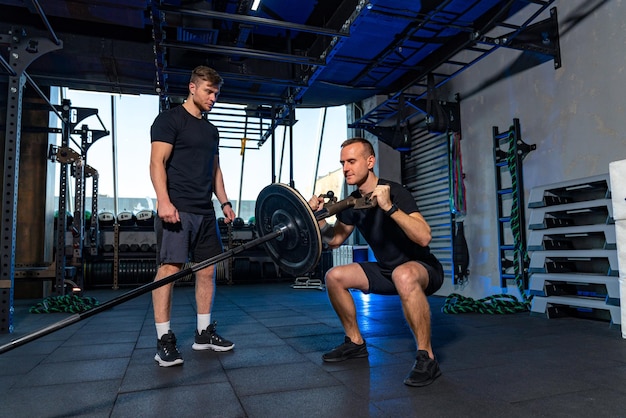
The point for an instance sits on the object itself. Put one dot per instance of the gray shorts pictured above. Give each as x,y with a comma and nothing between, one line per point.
195,238
381,283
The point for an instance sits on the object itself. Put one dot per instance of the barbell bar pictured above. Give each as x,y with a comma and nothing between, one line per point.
286,225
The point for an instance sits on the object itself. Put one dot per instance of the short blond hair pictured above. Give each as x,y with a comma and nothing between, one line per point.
369,148
202,72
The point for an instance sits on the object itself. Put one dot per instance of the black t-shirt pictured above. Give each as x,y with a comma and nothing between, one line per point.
190,167
389,243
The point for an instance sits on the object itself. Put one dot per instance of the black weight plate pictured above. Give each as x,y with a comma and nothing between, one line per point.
297,250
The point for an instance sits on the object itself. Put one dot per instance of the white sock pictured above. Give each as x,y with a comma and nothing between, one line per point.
162,328
204,320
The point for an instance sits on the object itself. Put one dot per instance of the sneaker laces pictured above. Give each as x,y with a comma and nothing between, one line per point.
168,343
423,361
213,332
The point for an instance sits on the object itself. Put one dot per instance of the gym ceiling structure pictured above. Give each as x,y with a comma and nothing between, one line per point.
283,56
279,57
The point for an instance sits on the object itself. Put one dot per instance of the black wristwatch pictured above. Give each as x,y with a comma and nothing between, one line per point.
226,203
391,210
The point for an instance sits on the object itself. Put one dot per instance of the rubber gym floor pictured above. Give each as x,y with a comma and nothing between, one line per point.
514,365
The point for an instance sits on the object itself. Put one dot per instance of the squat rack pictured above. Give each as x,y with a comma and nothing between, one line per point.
22,52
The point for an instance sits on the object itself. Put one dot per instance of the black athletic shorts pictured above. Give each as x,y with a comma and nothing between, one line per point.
381,283
195,238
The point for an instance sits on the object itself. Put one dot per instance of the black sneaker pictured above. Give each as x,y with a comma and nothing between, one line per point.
346,351
425,370
210,340
167,353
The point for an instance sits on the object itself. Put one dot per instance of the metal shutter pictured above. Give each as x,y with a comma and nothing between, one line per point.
426,173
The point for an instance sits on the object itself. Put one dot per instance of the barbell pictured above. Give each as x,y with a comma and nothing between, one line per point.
286,226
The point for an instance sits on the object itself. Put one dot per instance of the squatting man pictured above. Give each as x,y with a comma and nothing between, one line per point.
399,237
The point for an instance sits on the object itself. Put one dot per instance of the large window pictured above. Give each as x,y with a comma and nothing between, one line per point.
134,116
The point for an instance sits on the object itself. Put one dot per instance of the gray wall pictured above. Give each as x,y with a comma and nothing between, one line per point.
575,115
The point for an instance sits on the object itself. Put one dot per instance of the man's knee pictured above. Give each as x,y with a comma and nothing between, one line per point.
167,269
332,277
348,276
205,274
339,277
410,279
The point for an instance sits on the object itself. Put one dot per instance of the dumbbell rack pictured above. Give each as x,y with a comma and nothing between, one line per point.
126,252
573,259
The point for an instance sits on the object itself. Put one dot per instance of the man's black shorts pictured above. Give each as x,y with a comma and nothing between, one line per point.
381,283
195,238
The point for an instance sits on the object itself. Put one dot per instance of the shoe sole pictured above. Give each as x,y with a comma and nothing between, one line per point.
201,347
344,358
164,363
424,382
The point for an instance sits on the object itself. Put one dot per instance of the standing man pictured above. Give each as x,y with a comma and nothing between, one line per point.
398,236
185,172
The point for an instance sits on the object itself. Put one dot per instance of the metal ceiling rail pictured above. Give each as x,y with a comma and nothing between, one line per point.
255,20
79,84
236,96
253,79
246,52
446,67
